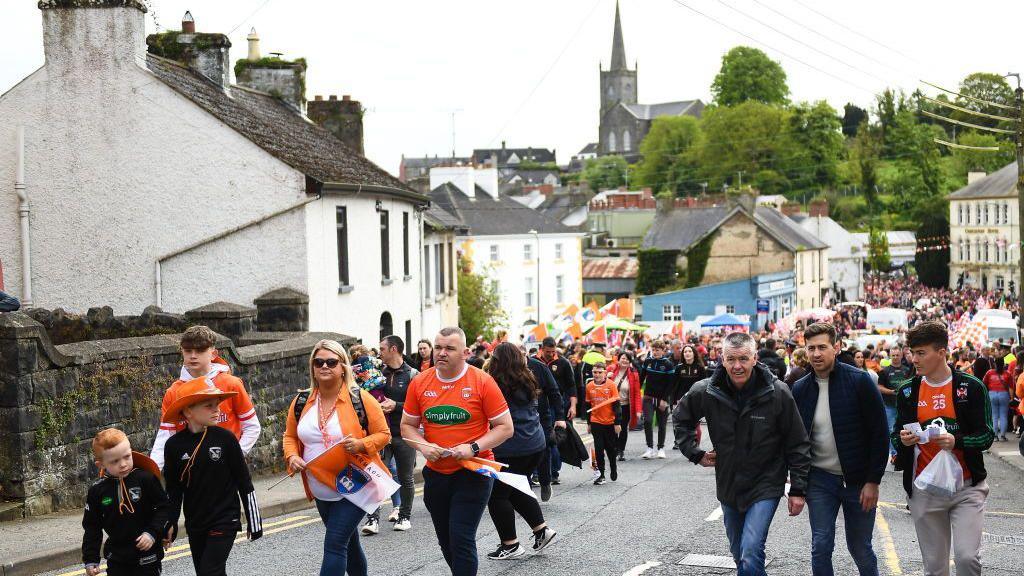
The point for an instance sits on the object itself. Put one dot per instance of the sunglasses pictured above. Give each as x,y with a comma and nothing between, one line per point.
329,362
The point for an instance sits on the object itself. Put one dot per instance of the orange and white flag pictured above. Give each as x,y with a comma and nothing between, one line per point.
517,481
356,478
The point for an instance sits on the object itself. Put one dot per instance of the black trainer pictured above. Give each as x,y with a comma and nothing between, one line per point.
615,473
600,480
543,537
507,552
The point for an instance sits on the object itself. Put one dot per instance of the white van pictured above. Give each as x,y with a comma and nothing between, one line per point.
1002,329
886,320
993,313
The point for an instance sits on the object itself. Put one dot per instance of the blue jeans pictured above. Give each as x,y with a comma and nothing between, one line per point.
556,460
396,498
342,552
1000,410
890,417
825,494
747,533
456,503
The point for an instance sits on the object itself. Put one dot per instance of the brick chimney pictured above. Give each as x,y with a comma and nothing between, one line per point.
343,118
207,53
98,36
818,208
284,79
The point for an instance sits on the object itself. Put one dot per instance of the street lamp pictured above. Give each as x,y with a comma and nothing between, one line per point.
536,239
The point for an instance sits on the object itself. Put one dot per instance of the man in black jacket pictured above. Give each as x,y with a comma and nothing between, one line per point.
549,406
768,356
565,377
398,374
842,411
758,440
961,403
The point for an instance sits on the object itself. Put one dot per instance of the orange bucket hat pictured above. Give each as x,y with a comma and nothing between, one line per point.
192,392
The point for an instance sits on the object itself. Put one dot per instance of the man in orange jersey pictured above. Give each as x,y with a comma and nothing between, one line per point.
464,415
237,414
961,402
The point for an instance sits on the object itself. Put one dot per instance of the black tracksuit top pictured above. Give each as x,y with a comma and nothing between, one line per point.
104,512
210,491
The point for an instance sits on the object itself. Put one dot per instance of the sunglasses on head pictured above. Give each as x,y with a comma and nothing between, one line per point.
329,362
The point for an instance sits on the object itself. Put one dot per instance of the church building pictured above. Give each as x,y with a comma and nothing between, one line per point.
624,122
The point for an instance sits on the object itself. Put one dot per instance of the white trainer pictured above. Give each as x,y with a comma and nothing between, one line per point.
648,454
661,453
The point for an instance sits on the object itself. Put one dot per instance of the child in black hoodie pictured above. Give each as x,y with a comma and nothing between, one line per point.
206,472
129,504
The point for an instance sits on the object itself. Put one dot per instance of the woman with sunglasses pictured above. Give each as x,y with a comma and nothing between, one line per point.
345,427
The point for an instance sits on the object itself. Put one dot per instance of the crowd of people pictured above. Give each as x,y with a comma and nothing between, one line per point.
807,410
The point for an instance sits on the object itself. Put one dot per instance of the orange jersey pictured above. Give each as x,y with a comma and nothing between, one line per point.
598,393
936,402
454,412
232,410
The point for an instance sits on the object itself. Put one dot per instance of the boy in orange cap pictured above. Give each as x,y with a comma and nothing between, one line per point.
206,471
199,358
129,504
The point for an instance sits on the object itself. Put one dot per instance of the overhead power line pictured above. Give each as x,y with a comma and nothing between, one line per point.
971,98
851,30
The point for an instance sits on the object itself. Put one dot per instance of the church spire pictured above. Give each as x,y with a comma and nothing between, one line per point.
618,47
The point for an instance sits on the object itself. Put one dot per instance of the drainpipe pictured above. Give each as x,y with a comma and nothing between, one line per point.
23,212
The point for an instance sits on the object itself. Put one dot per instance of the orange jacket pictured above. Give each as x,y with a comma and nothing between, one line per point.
373,443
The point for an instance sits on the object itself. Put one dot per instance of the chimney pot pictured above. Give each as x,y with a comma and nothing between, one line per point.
188,23
346,98
318,98
254,45
332,97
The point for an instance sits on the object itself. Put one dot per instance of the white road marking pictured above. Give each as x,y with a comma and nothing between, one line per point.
715,516
638,570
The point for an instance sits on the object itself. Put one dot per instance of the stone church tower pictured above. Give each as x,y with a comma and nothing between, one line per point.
618,84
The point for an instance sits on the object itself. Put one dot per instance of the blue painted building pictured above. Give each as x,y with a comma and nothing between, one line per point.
776,293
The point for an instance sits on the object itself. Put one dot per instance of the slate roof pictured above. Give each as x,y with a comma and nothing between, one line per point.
588,149
430,161
559,206
682,228
529,177
1000,184
610,268
652,111
276,128
481,155
440,220
487,216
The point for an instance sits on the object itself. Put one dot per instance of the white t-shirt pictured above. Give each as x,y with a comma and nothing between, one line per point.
313,446
824,454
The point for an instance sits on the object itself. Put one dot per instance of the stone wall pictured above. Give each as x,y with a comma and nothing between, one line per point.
53,399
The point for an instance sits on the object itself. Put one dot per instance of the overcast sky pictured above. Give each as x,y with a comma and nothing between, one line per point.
527,72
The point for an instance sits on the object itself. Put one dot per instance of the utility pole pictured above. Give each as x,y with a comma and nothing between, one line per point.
1019,141
739,183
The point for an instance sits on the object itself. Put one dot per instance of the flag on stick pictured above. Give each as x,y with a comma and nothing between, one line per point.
360,480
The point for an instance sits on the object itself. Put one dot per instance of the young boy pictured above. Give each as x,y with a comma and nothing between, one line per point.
129,504
199,358
657,379
601,420
206,472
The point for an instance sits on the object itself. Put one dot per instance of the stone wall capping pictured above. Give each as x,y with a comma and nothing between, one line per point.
221,310
282,296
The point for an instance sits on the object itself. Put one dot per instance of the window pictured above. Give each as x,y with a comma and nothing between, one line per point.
451,267
611,142
341,221
1006,213
986,251
558,253
387,325
730,309
405,244
408,335
961,246
426,272
385,245
528,300
1000,282
527,252
559,289
439,266
960,214
672,312
626,141
494,252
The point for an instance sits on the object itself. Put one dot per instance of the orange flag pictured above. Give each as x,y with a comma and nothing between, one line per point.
599,335
625,308
575,330
571,311
593,306
539,332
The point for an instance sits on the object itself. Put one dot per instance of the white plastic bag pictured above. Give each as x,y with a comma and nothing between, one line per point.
943,476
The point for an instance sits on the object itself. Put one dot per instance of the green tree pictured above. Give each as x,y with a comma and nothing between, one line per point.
889,105
606,172
878,251
988,87
853,117
914,143
932,264
665,152
749,137
865,150
749,74
480,310
656,269
816,139
978,160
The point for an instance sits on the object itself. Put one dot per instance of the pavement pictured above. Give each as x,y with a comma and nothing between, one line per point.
658,514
